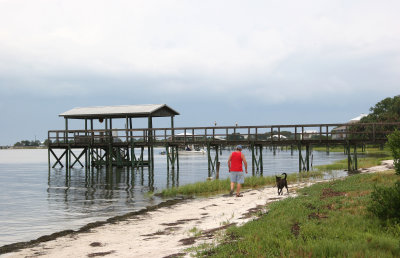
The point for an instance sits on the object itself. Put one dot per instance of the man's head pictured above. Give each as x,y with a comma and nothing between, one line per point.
239,147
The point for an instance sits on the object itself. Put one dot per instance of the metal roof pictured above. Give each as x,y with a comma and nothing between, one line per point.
357,119
130,111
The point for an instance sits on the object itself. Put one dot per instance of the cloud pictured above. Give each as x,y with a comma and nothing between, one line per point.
279,51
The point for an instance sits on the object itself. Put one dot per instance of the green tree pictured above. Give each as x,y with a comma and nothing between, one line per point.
46,142
35,143
27,143
385,203
387,110
394,145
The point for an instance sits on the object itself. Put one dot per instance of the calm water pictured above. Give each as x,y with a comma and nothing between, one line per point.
36,201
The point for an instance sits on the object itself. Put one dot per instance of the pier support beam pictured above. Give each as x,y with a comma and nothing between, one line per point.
352,162
172,156
301,161
58,159
308,157
136,161
77,159
256,160
150,148
304,163
212,162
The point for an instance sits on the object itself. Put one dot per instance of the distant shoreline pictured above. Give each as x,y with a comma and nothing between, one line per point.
21,147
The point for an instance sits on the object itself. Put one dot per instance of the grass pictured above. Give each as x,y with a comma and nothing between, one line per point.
326,220
223,186
371,157
339,148
331,148
195,232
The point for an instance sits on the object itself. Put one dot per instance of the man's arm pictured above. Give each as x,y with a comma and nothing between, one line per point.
229,163
244,162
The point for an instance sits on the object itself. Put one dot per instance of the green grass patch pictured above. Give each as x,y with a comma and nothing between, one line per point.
371,157
331,148
207,187
326,220
369,149
213,187
342,164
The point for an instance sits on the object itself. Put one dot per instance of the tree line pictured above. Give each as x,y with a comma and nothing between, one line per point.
27,143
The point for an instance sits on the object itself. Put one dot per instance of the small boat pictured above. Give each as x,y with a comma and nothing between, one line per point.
191,152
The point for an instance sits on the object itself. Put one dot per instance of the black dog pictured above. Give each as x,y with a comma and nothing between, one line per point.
280,183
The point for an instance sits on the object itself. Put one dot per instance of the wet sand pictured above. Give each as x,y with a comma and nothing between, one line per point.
168,231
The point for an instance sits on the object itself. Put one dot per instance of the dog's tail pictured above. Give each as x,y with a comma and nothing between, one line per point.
285,175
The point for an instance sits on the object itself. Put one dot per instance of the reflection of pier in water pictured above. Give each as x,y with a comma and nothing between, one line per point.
104,184
116,147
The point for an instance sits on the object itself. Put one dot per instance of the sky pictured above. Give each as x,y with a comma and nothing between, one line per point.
253,62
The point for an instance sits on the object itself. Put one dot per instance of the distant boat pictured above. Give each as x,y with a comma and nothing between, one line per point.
191,152
186,152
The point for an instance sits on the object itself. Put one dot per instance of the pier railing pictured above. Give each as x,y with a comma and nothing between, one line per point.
227,135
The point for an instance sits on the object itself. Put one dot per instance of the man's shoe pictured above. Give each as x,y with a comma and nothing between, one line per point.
231,193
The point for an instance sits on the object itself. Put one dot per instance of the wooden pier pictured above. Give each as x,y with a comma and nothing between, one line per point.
117,147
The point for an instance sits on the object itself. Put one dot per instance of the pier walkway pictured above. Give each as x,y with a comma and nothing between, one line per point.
116,147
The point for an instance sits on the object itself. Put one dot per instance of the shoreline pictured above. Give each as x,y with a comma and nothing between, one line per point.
172,226
86,228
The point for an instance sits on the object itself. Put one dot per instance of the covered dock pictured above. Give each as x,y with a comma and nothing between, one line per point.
103,146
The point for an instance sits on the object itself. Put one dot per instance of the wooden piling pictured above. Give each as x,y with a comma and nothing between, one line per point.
217,172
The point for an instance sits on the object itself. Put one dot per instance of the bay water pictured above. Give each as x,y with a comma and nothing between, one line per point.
36,200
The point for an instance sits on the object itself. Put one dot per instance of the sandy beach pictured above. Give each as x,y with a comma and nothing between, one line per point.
169,231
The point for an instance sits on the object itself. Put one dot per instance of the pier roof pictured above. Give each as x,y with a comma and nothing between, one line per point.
130,111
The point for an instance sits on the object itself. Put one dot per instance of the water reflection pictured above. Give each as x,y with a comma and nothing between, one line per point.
100,184
172,178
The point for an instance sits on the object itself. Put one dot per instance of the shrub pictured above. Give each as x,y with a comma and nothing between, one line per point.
394,145
386,203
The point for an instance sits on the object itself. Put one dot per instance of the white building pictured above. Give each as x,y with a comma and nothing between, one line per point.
339,133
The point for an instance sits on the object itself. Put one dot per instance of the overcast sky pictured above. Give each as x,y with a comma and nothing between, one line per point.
255,62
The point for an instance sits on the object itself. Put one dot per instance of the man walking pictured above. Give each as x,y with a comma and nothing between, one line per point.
235,161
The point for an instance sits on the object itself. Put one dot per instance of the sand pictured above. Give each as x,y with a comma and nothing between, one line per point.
170,230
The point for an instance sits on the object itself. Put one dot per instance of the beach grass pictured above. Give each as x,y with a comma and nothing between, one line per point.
340,148
326,220
371,157
212,187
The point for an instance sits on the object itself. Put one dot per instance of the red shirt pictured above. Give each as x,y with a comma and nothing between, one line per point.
236,162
